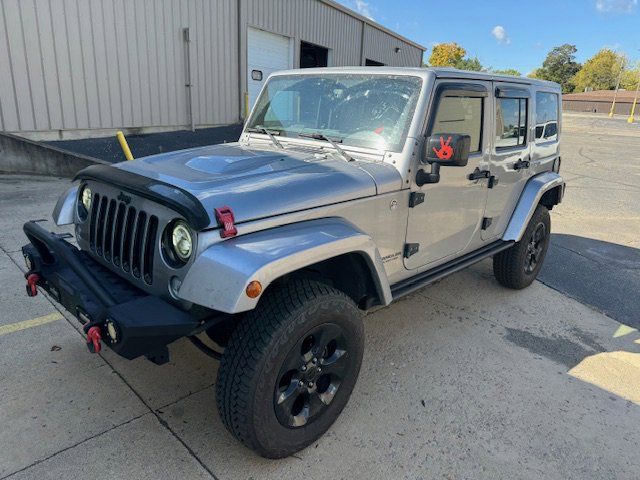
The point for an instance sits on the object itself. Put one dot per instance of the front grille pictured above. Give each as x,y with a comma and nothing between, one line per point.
123,236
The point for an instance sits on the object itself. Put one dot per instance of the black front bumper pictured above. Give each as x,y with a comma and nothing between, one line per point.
130,322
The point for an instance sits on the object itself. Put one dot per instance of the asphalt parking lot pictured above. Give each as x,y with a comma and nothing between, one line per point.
463,379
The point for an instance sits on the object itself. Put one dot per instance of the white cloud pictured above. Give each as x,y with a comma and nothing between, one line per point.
500,34
364,9
620,6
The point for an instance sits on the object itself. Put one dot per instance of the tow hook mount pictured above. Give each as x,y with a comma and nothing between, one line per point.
32,284
93,339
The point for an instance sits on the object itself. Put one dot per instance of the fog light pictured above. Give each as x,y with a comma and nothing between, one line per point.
254,289
28,262
112,331
174,286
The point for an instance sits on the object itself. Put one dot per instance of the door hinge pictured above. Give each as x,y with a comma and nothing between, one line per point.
415,198
410,249
493,181
486,222
477,174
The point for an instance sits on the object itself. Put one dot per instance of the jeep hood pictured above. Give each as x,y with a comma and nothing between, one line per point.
263,183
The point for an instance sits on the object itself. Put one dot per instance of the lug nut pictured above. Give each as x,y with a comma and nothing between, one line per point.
310,384
300,383
314,361
319,369
303,368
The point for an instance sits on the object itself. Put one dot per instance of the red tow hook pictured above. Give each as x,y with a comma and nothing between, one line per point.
93,339
32,284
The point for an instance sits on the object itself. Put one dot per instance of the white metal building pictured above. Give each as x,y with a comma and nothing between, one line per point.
72,68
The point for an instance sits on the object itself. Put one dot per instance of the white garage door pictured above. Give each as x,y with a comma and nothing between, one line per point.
266,53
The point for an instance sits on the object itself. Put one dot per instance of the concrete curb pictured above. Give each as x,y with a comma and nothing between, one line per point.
20,155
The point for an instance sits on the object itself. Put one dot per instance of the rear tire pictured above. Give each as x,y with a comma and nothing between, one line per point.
518,266
290,367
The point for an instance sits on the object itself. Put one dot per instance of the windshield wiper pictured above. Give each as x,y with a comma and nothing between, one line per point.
332,141
261,129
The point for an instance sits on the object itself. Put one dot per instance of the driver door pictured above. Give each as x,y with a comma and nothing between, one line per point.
449,220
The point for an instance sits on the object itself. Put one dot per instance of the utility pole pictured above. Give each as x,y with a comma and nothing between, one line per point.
615,95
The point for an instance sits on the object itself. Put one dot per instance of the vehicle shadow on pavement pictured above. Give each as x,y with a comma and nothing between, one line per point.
603,275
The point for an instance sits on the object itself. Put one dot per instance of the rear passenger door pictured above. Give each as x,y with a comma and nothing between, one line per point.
510,158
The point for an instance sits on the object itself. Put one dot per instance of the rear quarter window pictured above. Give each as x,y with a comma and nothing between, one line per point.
511,122
546,117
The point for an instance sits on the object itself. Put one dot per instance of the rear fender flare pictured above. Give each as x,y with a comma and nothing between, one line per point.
219,276
529,200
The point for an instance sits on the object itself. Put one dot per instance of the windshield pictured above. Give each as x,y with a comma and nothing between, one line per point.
371,111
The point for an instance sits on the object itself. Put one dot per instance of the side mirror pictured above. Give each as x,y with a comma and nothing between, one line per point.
448,149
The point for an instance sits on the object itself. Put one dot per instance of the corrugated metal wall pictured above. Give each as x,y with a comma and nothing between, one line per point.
87,64
310,21
381,46
104,64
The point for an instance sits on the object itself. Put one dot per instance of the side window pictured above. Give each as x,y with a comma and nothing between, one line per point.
461,115
511,122
546,117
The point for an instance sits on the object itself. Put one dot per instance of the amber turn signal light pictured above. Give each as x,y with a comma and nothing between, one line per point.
254,289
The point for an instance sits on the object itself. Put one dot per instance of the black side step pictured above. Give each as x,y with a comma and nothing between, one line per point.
410,285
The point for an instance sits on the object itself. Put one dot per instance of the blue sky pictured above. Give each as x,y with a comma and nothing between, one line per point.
512,34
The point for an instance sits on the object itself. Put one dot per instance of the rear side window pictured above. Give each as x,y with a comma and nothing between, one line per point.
546,117
511,122
461,115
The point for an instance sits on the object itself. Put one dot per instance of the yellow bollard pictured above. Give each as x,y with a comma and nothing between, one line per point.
633,111
635,101
124,145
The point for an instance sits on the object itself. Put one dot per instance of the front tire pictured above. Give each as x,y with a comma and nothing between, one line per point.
518,266
290,367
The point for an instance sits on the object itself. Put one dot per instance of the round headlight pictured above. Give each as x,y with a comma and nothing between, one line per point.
85,197
181,241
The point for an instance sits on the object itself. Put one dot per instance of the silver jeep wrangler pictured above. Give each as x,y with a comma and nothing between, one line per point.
348,188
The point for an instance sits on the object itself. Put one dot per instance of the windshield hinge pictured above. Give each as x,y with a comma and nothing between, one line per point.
416,198
411,249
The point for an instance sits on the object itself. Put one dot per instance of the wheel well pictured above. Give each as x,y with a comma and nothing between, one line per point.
551,197
349,272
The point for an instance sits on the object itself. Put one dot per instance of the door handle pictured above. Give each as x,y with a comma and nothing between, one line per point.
521,164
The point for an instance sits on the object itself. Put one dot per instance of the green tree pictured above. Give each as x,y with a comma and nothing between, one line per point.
446,55
508,71
469,63
560,66
600,72
538,73
630,78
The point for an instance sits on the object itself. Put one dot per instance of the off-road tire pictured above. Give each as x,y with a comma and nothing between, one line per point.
510,266
256,354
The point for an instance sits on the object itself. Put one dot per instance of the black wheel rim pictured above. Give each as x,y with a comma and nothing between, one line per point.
311,376
534,248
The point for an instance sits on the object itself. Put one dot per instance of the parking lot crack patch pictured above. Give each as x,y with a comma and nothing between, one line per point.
97,435
161,421
184,397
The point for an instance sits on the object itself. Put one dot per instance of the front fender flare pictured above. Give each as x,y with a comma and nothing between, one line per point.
64,211
529,199
219,276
